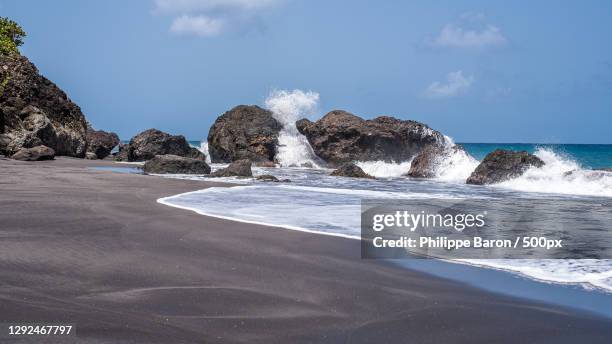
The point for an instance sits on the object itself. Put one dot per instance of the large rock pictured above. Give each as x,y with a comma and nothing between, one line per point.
101,143
176,164
340,137
240,168
152,142
501,165
244,132
34,111
426,163
350,170
37,153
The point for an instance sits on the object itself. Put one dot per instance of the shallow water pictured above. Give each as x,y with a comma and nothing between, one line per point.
317,202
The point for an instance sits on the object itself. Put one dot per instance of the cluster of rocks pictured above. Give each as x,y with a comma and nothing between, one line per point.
38,121
340,138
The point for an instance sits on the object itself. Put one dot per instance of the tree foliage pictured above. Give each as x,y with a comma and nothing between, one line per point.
11,36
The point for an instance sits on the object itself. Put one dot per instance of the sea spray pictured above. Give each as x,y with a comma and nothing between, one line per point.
456,166
287,107
204,149
383,169
563,175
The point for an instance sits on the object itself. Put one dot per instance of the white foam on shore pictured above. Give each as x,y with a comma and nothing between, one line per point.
336,212
178,201
590,273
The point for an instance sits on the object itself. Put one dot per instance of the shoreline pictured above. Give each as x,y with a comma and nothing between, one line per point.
93,247
572,295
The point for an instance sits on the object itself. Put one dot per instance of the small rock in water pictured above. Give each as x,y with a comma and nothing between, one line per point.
265,164
351,170
267,178
240,168
501,165
175,164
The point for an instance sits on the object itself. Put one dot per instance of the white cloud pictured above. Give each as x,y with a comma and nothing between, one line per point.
456,84
455,36
202,26
206,18
472,31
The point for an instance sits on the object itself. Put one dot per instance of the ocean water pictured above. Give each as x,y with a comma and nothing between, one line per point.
316,202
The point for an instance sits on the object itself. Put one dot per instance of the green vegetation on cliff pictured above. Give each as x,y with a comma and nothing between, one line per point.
11,36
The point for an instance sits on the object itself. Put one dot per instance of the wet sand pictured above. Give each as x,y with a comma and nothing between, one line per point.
95,249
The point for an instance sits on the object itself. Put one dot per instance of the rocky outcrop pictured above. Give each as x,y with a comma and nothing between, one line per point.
175,164
37,153
501,165
240,168
244,132
101,143
152,142
425,164
351,170
340,137
34,111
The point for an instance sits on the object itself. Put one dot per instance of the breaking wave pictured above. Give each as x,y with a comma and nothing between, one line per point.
561,175
287,107
382,169
204,149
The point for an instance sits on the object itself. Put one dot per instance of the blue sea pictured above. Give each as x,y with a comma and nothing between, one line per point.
587,155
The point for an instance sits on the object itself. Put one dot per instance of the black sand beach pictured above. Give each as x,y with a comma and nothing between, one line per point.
93,248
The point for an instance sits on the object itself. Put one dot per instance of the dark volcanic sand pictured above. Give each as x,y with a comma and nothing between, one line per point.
94,248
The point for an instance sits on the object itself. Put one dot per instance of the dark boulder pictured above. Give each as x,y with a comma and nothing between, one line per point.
425,163
101,143
244,132
351,170
34,111
501,165
168,163
152,142
240,168
91,156
340,137
37,153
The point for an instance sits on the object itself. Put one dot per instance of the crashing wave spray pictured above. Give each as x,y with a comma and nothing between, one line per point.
287,107
456,165
204,149
560,174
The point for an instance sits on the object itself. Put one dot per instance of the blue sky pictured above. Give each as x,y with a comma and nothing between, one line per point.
479,71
